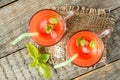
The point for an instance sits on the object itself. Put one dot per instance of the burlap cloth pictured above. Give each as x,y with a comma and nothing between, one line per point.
96,20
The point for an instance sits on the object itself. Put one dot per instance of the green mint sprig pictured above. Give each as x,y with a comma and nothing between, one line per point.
92,44
80,42
49,28
39,61
53,20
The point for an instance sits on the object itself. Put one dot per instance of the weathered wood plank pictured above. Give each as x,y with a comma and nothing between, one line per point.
109,72
113,52
6,2
19,67
16,67
2,75
16,22
18,19
108,4
7,69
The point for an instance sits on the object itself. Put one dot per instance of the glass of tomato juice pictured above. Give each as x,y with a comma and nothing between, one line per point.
50,25
89,47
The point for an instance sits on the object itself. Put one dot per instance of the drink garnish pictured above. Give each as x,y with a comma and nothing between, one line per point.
39,60
80,42
92,44
53,20
49,28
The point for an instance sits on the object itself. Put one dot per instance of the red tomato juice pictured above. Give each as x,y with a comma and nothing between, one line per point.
86,56
38,23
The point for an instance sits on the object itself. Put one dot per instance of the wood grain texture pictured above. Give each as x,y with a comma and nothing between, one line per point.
108,4
109,72
113,52
16,67
7,69
16,22
6,2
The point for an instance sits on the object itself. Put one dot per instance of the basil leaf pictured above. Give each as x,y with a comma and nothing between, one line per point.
49,28
93,44
81,42
39,60
33,51
45,70
44,58
33,64
53,20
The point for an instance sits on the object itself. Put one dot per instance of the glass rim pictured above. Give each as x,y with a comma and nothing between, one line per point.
62,19
102,52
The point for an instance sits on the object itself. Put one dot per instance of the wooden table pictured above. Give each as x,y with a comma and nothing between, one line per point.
14,60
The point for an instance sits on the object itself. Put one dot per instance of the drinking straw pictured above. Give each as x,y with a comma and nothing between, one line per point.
104,33
22,36
66,62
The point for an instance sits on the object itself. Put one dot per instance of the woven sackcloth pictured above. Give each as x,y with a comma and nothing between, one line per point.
95,20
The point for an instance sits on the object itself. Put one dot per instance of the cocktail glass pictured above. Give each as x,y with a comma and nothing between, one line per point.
89,47
47,19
